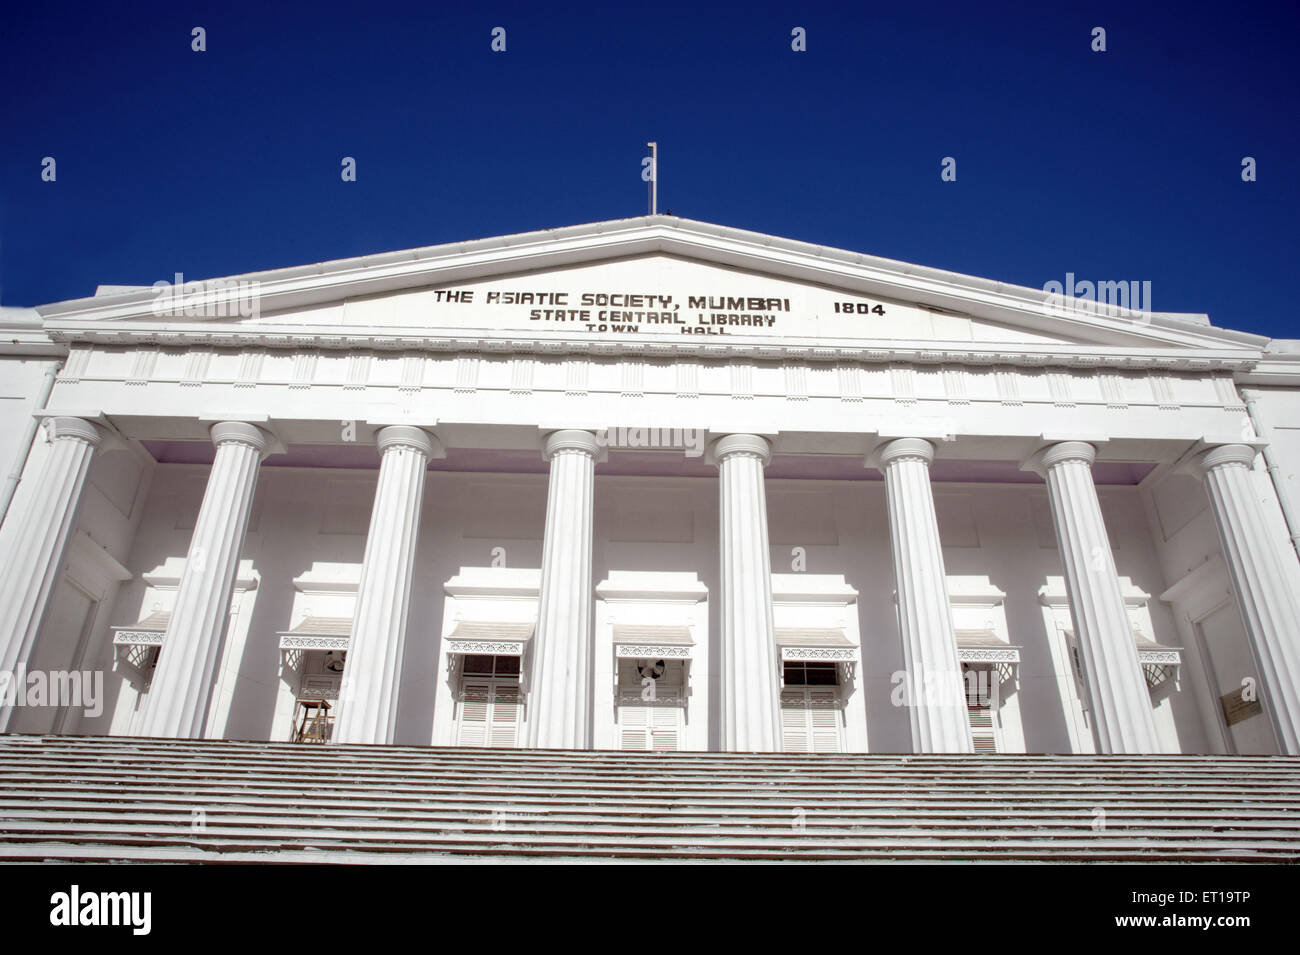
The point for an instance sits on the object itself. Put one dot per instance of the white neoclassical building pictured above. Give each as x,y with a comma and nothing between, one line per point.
648,484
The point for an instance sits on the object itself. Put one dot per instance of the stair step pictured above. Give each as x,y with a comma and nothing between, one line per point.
129,799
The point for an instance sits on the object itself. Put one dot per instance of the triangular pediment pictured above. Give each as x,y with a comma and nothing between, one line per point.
661,295
654,279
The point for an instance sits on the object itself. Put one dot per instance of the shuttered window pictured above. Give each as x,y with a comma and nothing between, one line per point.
812,717
981,706
489,712
651,721
811,720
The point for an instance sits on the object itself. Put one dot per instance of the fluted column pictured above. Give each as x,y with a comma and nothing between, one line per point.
179,693
936,697
32,566
750,686
368,696
1270,609
1121,703
559,701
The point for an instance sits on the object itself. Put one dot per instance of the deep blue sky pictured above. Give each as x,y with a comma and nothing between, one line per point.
1117,165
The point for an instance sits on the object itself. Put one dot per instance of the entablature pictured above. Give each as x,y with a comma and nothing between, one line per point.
72,333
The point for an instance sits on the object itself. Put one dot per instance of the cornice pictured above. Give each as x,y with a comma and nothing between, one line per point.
1278,370
21,333
821,350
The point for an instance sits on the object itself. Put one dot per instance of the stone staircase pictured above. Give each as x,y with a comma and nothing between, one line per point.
144,800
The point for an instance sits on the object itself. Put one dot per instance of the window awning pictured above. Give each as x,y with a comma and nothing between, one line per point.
136,647
499,639
1150,650
1158,663
147,632
640,641
318,633
985,646
815,643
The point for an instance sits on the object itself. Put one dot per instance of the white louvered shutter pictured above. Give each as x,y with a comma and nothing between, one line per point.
633,722
665,728
475,708
503,728
794,722
982,732
824,719
811,720
981,708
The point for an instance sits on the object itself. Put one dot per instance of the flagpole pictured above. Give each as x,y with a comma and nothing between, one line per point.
654,178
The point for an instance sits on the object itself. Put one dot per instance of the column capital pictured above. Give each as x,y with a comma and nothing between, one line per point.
917,449
74,429
1225,454
570,439
1043,460
730,444
240,432
408,436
